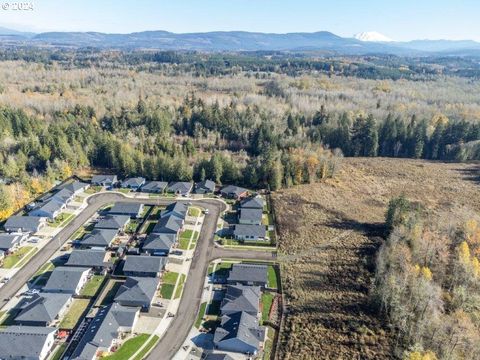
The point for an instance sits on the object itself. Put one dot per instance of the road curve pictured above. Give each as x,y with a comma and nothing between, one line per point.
95,202
205,252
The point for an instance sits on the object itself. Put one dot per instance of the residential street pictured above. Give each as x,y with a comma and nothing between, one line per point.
205,252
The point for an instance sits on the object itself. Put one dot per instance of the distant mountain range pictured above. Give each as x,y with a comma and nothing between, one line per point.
240,41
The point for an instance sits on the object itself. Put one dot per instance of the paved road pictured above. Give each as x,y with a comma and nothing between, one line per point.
95,202
205,252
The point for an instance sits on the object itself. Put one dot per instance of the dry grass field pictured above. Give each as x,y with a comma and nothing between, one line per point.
329,235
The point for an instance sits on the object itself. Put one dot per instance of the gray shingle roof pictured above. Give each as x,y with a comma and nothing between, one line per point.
63,195
178,209
65,278
167,225
251,215
43,307
160,242
26,223
207,186
180,187
241,298
137,290
126,208
7,241
99,237
23,342
104,179
252,203
250,230
146,264
87,258
155,186
112,222
50,207
103,329
75,186
242,326
232,190
133,182
248,273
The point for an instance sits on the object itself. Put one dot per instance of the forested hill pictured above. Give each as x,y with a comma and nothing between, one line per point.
248,120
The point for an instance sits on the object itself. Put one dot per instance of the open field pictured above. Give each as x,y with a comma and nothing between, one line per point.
329,235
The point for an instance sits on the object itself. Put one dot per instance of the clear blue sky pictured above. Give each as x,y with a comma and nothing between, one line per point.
399,19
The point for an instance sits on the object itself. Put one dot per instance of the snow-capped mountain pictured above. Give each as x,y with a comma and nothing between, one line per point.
372,36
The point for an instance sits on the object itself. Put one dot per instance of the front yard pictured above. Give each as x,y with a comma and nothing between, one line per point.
185,238
169,280
128,348
61,220
19,257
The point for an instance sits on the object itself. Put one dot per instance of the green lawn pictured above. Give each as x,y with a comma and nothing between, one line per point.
59,352
124,190
222,268
272,278
267,300
185,238
61,220
131,227
93,190
72,317
128,348
91,287
193,211
179,290
166,291
19,257
169,280
147,348
200,315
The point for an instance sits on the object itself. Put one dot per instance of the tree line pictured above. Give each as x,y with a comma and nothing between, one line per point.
427,283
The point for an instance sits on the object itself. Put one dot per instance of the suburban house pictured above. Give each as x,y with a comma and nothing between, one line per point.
249,232
255,202
113,222
239,332
180,187
241,298
76,187
26,342
124,208
49,209
105,180
42,309
105,331
99,238
250,216
205,187
144,266
9,242
64,196
137,292
234,192
156,187
133,183
158,244
25,224
178,209
98,260
67,279
168,225
248,274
